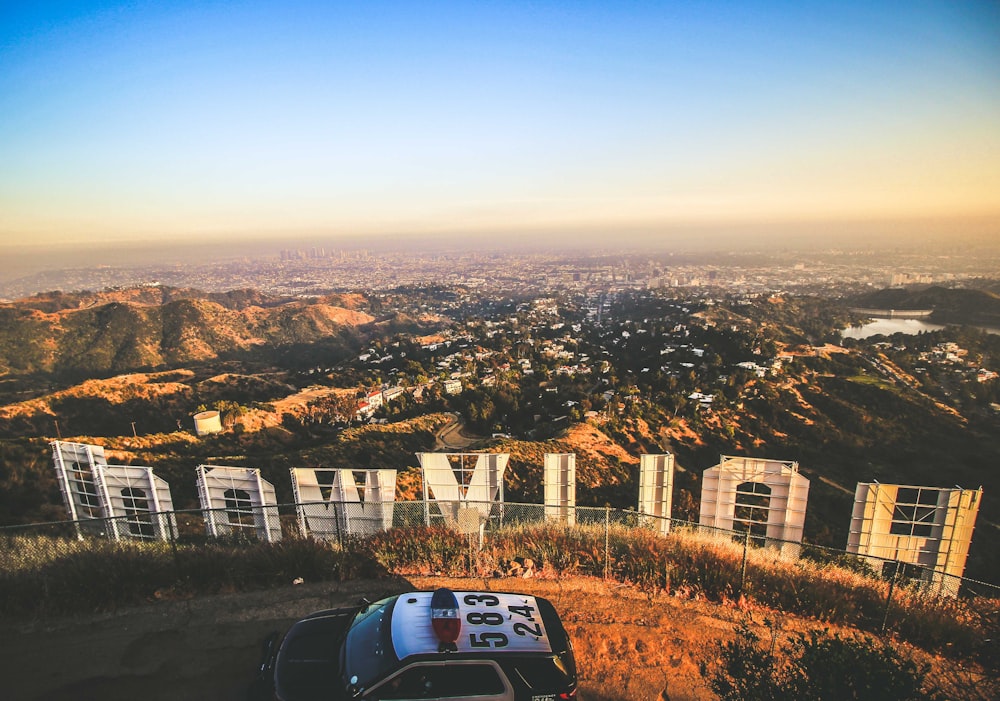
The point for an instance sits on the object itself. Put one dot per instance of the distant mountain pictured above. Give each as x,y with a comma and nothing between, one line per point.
956,306
148,327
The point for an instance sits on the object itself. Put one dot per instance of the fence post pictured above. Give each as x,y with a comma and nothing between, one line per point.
336,521
743,567
172,528
468,539
888,598
607,541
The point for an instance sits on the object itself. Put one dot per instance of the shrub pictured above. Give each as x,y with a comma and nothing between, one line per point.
832,667
747,670
419,548
102,575
815,667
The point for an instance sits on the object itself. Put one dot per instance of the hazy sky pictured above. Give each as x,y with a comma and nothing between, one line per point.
171,120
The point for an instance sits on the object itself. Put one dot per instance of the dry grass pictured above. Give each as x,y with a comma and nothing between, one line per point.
115,390
631,645
660,614
626,645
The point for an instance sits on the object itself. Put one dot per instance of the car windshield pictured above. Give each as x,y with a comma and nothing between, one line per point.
368,652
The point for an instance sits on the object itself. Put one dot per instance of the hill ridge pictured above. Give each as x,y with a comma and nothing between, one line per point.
119,331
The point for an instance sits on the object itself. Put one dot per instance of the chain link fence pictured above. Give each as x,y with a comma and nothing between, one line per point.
52,567
335,522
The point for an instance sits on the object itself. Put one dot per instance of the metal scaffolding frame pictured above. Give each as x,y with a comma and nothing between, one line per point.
656,487
136,501
331,502
931,527
560,487
768,498
235,501
462,488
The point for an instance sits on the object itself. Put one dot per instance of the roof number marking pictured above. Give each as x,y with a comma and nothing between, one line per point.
522,629
501,622
489,640
491,618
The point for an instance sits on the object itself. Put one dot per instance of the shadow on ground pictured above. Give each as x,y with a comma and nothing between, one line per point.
199,649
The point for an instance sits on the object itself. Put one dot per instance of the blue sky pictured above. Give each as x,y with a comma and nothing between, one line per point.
166,121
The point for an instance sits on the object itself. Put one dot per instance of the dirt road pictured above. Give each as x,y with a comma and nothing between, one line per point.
627,646
203,649
453,437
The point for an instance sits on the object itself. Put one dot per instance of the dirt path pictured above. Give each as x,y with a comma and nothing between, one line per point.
203,649
628,645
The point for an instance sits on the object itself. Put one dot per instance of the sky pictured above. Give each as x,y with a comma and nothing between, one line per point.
229,121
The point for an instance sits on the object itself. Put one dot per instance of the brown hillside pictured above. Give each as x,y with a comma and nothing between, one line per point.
629,644
124,330
347,300
156,295
603,467
587,439
115,390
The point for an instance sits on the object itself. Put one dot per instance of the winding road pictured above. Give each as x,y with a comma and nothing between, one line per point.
452,436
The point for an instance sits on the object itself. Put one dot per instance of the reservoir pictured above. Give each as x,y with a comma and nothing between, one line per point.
891,326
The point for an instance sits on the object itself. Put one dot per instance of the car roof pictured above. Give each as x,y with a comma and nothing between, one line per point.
492,623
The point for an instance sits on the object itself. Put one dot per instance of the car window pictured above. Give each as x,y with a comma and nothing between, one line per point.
306,664
541,672
442,681
315,646
368,649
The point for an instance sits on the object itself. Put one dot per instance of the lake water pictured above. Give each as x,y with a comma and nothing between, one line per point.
891,326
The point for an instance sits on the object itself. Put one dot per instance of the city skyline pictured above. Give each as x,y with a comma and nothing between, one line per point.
230,122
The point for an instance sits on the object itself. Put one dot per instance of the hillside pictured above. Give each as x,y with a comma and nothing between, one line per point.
647,626
605,472
951,306
628,645
848,414
126,330
158,295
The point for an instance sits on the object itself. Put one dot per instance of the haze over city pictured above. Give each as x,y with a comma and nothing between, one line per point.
571,122
683,314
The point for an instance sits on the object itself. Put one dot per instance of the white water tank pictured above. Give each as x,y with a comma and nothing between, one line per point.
206,422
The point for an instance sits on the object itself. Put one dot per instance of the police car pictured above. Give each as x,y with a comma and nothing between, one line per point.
487,646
